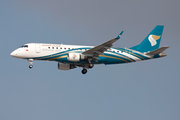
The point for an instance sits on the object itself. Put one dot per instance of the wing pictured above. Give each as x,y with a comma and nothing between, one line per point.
97,50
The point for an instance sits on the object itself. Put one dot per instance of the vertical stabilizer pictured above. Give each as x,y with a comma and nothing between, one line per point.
152,41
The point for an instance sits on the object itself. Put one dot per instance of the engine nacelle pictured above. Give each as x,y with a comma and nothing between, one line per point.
75,57
62,66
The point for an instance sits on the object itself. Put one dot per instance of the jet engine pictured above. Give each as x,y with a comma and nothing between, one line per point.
75,57
62,66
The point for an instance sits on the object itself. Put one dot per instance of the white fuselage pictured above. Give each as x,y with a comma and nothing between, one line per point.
41,51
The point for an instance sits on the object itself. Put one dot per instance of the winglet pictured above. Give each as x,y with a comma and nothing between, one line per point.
119,35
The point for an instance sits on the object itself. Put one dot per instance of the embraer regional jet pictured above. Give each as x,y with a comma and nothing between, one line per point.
72,56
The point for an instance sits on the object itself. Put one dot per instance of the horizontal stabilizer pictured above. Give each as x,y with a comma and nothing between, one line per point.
157,51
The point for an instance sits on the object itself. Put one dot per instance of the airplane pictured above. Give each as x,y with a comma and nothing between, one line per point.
73,56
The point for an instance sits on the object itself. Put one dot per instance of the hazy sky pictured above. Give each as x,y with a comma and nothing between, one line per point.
146,90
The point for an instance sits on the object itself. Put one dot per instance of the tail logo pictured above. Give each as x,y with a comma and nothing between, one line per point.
152,39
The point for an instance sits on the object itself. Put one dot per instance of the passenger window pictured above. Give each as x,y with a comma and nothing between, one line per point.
56,47
49,47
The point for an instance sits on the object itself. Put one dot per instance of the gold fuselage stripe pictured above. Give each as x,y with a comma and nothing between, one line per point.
135,55
113,57
58,57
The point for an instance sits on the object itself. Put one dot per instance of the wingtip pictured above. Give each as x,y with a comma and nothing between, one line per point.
119,35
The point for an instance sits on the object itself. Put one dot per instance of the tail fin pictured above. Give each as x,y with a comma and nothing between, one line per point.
152,41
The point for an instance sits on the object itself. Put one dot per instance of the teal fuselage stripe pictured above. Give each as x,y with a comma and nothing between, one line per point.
142,57
125,58
106,58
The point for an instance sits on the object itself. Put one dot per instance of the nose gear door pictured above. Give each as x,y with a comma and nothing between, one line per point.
38,47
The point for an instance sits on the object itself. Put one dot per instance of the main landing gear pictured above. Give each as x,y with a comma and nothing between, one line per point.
91,65
84,71
31,63
88,66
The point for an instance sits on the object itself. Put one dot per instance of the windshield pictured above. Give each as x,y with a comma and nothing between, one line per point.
24,46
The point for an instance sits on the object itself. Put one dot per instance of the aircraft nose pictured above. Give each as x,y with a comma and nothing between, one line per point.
13,54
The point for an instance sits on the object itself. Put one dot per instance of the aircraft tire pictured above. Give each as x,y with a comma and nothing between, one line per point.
84,71
30,66
91,65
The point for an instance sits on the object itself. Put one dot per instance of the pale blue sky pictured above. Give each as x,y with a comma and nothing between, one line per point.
146,90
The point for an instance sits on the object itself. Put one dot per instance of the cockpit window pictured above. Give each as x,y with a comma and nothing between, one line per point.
24,46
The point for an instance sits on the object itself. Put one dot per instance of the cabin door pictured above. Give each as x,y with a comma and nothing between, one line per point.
38,48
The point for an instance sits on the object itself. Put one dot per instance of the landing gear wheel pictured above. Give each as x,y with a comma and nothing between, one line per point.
30,66
84,71
91,65
31,62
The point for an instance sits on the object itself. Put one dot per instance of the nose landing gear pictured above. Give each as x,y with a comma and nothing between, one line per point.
31,63
30,66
